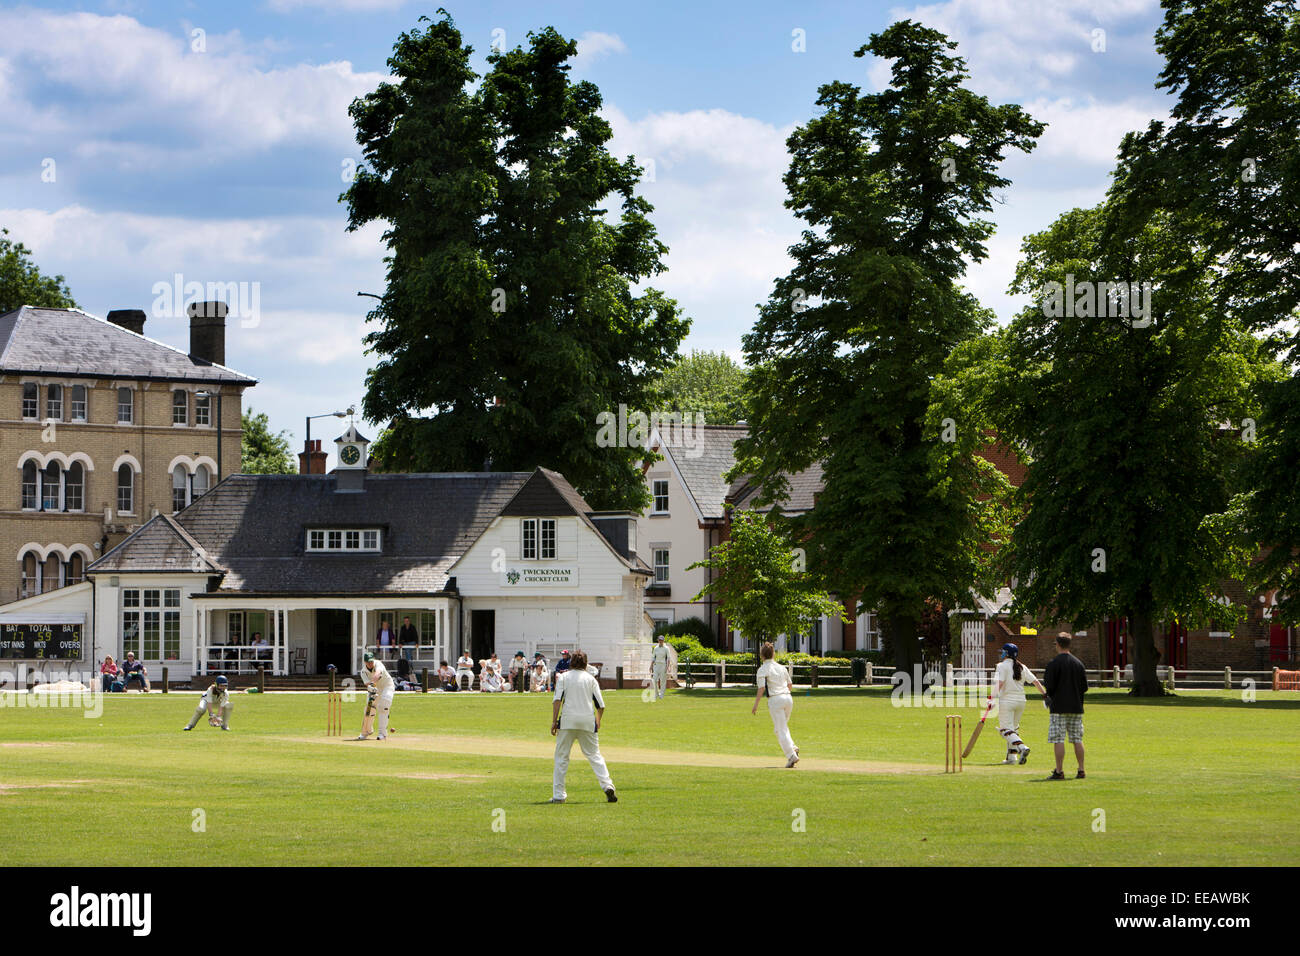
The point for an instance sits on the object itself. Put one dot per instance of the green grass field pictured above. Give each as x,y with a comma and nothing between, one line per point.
1201,779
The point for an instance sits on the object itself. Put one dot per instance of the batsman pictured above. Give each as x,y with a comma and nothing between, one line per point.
379,697
215,701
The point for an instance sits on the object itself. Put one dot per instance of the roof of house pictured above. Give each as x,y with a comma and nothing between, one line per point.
804,486
250,530
703,454
73,342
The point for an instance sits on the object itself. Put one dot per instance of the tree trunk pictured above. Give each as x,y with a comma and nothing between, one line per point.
1146,683
900,627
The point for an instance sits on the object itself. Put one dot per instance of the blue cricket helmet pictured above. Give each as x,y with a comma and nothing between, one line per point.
1010,650
221,679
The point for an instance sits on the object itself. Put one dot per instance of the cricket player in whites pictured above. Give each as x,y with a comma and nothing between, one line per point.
379,697
215,700
659,667
1009,688
576,712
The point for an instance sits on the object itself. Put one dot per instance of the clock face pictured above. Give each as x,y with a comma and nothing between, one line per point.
350,454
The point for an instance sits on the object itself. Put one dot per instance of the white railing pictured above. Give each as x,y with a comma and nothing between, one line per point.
242,658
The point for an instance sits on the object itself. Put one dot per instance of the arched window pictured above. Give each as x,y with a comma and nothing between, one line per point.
30,564
54,402
125,490
180,487
74,569
77,402
202,479
180,407
51,479
74,484
31,400
30,500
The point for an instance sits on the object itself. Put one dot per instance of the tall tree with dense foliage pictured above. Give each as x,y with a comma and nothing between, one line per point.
509,322
21,282
1123,397
757,585
264,452
1225,171
711,384
891,186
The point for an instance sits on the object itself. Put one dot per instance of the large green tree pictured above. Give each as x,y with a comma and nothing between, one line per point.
1124,402
892,186
711,384
264,452
21,282
511,318
1225,172
757,585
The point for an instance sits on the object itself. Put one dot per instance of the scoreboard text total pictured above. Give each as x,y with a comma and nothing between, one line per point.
40,641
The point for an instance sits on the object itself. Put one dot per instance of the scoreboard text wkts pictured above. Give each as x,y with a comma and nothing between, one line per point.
35,641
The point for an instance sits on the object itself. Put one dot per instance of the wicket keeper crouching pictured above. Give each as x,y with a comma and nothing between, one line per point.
215,700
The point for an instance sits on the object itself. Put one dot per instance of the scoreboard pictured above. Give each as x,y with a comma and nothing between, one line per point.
29,641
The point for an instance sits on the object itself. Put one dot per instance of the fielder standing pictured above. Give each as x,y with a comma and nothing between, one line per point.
379,697
576,712
774,680
215,700
1009,688
659,667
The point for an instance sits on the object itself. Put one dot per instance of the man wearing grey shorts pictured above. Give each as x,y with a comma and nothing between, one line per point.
1066,682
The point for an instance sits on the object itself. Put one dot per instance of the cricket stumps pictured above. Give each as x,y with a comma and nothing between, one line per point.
952,744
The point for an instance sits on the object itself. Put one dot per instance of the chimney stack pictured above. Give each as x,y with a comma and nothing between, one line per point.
208,331
130,319
311,460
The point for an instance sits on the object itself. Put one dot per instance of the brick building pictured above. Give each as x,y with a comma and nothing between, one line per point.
101,428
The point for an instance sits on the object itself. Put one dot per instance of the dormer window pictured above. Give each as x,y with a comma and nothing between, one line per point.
534,529
343,539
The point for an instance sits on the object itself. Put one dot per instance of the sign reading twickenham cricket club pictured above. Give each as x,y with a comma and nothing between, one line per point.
542,575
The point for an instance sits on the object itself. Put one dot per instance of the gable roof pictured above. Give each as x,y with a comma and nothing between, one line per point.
253,527
160,544
701,456
804,486
548,493
72,342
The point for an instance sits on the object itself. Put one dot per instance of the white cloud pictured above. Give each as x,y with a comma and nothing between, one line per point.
594,45
1014,47
129,82
1087,131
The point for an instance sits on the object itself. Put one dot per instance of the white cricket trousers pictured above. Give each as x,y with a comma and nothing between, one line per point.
203,708
661,681
383,704
1009,714
780,706
590,745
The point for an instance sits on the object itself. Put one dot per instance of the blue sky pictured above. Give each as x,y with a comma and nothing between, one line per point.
133,149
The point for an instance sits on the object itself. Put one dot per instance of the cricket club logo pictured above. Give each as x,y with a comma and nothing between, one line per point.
512,576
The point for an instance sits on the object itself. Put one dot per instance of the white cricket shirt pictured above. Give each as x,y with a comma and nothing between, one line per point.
776,676
580,693
1012,689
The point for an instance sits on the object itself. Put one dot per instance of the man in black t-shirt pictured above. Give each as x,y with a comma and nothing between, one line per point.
1066,682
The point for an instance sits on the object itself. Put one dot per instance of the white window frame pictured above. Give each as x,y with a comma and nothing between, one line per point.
53,404
203,411
657,565
35,402
127,406
78,408
118,482
868,636
528,539
31,490
654,493
546,543
164,605
336,540
183,407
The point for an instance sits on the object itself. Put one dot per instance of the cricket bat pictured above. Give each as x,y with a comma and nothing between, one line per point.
368,721
978,727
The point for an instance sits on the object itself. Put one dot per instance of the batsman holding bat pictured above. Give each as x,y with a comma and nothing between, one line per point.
215,701
379,697
1009,688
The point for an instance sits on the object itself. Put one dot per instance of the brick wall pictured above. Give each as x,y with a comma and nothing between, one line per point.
152,439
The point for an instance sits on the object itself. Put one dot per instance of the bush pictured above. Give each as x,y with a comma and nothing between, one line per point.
689,649
694,627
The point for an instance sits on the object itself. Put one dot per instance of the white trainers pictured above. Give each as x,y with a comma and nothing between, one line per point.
382,737
557,799
1024,754
1010,758
794,759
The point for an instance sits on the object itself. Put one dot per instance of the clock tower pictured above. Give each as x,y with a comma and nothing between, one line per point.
352,450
